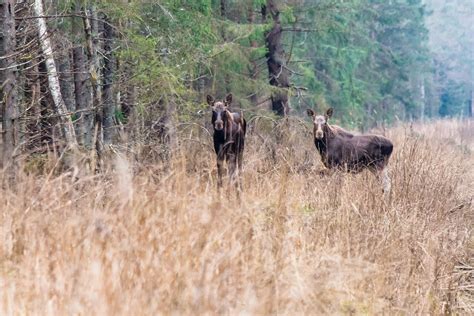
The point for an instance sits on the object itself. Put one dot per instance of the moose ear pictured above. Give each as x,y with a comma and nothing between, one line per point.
310,112
329,112
210,99
228,98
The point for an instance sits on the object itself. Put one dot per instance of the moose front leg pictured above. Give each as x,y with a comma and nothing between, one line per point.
239,176
220,171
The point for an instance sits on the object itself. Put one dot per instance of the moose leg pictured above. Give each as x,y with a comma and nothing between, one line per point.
239,176
220,171
231,163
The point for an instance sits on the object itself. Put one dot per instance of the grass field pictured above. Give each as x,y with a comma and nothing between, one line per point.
146,238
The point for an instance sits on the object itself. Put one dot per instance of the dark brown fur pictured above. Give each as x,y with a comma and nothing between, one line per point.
340,149
229,139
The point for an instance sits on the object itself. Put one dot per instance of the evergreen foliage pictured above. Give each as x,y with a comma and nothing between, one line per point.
369,59
374,61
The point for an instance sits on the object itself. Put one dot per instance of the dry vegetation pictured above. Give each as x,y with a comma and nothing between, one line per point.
147,238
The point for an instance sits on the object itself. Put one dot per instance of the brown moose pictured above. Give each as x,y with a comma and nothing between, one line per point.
340,149
229,138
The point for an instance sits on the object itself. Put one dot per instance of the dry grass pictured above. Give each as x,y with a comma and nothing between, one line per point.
145,239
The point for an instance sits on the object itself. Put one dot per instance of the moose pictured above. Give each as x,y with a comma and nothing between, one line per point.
340,149
229,138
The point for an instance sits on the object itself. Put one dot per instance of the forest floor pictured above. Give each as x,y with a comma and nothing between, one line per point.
145,238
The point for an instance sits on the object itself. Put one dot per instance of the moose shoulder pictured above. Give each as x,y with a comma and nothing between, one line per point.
353,153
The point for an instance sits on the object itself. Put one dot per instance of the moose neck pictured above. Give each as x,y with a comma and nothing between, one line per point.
225,133
322,144
220,134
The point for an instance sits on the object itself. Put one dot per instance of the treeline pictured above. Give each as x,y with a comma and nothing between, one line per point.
91,74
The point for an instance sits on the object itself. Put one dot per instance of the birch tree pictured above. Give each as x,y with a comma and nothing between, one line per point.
53,79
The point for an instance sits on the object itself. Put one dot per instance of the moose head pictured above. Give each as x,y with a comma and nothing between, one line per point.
219,110
319,122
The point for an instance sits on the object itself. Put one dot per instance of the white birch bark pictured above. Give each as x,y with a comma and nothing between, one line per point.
53,79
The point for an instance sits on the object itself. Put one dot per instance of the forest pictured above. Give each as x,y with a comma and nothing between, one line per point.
112,72
108,175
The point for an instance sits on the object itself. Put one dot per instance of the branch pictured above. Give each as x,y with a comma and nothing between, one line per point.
14,66
18,52
65,16
292,71
286,29
261,102
300,61
292,42
299,88
194,79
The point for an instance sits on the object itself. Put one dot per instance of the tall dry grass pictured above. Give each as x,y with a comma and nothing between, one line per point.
143,239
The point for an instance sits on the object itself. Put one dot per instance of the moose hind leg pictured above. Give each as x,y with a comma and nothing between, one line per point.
239,175
232,165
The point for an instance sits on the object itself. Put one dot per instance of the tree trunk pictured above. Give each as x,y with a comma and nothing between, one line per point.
33,137
81,94
223,8
170,127
66,80
94,29
253,44
53,80
107,92
81,89
128,87
9,97
276,62
129,98
63,57
225,38
422,99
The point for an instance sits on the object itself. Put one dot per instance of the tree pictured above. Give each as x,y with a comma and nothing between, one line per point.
276,61
8,79
367,59
82,91
451,43
147,65
109,104
53,80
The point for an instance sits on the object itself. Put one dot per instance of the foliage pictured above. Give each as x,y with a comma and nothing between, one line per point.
451,43
369,59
